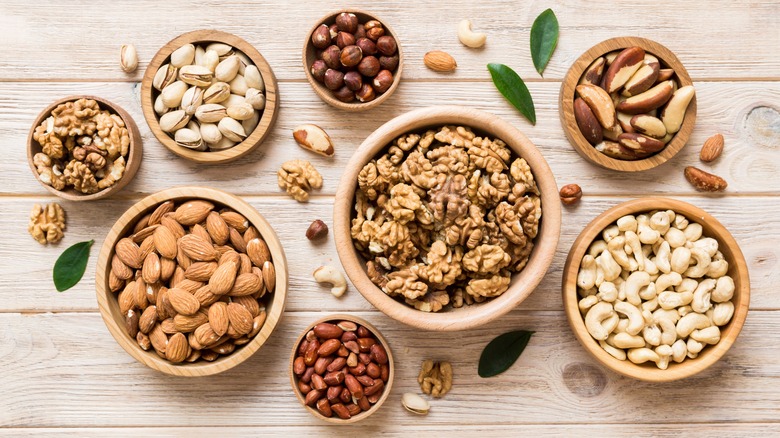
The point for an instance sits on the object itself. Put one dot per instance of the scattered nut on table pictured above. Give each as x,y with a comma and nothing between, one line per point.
332,276
712,148
415,404
704,181
468,37
128,58
298,178
47,223
437,60
435,378
317,230
570,194
314,138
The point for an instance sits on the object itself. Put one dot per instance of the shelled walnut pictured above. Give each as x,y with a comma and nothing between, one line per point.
47,223
445,217
298,178
435,378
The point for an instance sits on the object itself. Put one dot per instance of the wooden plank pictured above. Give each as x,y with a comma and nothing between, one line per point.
750,160
278,28
64,370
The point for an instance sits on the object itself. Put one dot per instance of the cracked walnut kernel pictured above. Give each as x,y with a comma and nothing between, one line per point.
435,378
298,178
47,223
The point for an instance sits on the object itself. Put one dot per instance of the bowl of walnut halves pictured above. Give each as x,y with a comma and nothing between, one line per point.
446,218
83,148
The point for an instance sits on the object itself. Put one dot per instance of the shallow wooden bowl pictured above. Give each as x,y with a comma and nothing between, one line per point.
267,119
523,283
737,270
391,364
566,105
133,159
322,91
109,306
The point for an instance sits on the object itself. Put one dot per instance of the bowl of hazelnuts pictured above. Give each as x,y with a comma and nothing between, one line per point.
353,60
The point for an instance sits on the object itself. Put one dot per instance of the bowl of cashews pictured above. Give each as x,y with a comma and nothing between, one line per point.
656,289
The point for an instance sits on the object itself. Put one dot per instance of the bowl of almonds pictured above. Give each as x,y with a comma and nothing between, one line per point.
627,104
209,96
191,281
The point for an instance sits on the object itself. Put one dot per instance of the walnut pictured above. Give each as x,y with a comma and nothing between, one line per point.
448,159
486,259
49,172
298,177
407,142
432,301
490,189
442,266
80,177
524,180
376,273
509,222
403,203
111,174
435,378
370,182
488,287
50,143
491,155
406,283
449,200
47,223
457,136
419,171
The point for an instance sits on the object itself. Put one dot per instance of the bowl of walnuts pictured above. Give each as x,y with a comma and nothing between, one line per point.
446,218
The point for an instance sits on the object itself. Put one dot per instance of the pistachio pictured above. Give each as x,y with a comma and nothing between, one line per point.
216,93
182,56
244,62
165,76
231,129
238,85
159,106
211,60
227,69
210,113
233,99
172,94
251,123
253,78
210,133
241,111
188,138
128,58
200,54
191,100
170,122
220,48
255,97
196,75
223,144
415,404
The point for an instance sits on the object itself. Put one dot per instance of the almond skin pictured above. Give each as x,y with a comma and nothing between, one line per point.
165,242
712,148
217,228
193,212
197,248
183,302
704,181
439,61
258,252
218,318
224,277
240,318
129,253
178,349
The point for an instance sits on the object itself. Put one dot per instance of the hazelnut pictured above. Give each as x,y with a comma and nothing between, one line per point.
570,194
318,69
344,39
382,81
331,56
369,66
386,45
374,33
334,79
388,62
334,31
347,22
351,56
360,32
366,93
320,38
344,94
317,230
367,46
353,80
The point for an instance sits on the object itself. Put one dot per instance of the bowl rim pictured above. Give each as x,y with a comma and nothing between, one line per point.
737,269
109,307
322,91
134,154
267,119
382,340
523,283
566,105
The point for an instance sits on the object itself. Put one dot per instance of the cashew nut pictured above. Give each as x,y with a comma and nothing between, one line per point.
665,281
702,263
652,335
708,244
675,238
669,314
598,318
586,278
616,248
636,281
687,285
690,322
650,305
627,223
681,259
665,354
668,328
709,335
642,355
722,313
671,300
588,302
701,297
597,248
625,340
468,37
663,258
587,292
617,353
693,232
724,290
607,292
679,350
647,235
660,222
607,265
694,347
635,320
632,240
332,276
718,268
610,233
648,292
684,310
680,222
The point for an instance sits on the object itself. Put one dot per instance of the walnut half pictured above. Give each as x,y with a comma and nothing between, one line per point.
47,224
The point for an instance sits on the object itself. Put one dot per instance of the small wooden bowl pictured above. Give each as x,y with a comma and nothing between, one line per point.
523,283
322,91
566,105
267,119
109,306
737,270
134,155
391,363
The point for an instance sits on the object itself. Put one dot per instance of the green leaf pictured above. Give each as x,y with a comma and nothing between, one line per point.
544,38
70,266
502,352
514,90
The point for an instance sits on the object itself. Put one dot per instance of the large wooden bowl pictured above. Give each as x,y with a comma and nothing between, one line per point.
309,56
109,307
391,364
523,283
267,119
737,270
566,105
133,159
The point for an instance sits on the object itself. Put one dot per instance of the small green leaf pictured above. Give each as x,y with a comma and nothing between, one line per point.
502,352
70,266
544,38
514,90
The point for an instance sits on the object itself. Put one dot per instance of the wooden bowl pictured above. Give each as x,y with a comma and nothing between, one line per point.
523,283
566,105
391,364
267,119
109,307
323,92
737,270
134,154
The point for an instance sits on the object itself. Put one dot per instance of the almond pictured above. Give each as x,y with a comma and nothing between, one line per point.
711,150
200,271
129,253
183,302
313,138
197,249
249,303
160,211
165,242
251,233
193,212
168,326
269,276
167,268
258,252
240,318
205,335
237,240
158,338
218,318
257,323
175,227
131,322
224,277
205,297
201,232
235,220
119,269
186,324
217,228
245,264
189,285
230,256
246,284
151,269
143,234
114,283
147,247
704,181
139,294
148,319
437,60
178,348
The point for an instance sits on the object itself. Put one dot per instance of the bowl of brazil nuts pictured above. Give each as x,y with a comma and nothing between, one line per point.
341,369
656,289
627,104
353,60
209,96
191,281
446,218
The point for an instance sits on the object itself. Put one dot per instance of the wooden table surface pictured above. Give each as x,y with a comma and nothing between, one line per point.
63,374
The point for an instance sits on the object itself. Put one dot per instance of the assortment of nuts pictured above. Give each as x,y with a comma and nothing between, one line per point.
209,97
191,281
83,146
445,217
354,60
654,289
435,378
298,178
341,368
47,223
629,105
